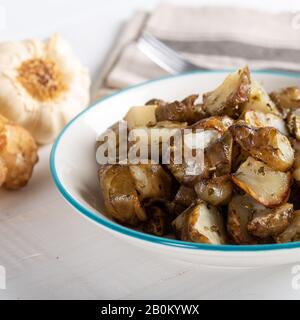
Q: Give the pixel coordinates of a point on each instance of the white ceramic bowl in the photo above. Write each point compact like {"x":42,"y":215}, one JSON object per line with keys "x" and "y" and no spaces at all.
{"x":74,"y":170}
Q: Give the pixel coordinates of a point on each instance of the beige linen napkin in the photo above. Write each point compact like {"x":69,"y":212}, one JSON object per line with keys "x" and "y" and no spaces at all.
{"x":212,"y":37}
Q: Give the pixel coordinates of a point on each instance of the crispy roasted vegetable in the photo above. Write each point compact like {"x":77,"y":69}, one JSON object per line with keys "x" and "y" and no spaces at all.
{"x":157,"y":223}
{"x":240,"y":211}
{"x":260,"y":119}
{"x":270,"y":222}
{"x":200,"y":223}
{"x":294,"y":123}
{"x":259,"y":100}
{"x":152,"y":181}
{"x":266,"y":144}
{"x":237,"y":151}
{"x":169,"y":125}
{"x":120,"y":196}
{"x":215,"y":161}
{"x":216,"y":191}
{"x":228,"y":98}
{"x":296,"y":168}
{"x":218,"y":156}
{"x":292,"y":232}
{"x":239,"y":155}
{"x":286,"y":99}
{"x":294,"y":196}
{"x":18,"y":155}
{"x":153,"y":138}
{"x":156,"y":102}
{"x":188,"y":173}
{"x":141,"y":116}
{"x":188,"y":170}
{"x":269,"y":187}
{"x":118,"y":155}
{"x":218,"y":123}
{"x":249,"y":222}
{"x":184,"y":198}
{"x":180,"y":111}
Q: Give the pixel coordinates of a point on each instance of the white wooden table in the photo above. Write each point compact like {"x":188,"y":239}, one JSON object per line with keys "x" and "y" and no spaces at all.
{"x":49,"y":251}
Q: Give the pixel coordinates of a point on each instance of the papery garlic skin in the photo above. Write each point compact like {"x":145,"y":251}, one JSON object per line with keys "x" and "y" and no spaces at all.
{"x":43,"y":117}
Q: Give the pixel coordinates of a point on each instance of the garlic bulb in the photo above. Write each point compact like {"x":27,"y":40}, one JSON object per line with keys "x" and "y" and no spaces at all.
{"x":18,"y":155}
{"x":42,"y":85}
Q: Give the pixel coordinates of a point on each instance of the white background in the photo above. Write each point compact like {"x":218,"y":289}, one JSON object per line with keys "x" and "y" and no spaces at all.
{"x":48,"y":250}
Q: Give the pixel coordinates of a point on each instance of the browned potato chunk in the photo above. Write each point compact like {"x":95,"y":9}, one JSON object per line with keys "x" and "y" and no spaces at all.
{"x":200,"y":223}
{"x":18,"y":154}
{"x":270,"y":188}
{"x":180,"y":111}
{"x":120,"y":196}
{"x":216,"y":191}
{"x":229,"y":96}
{"x":152,"y":181}
{"x":259,"y":100}
{"x":292,"y":232}
{"x":157,"y":223}
{"x":240,"y":210}
{"x":270,"y":222}
{"x":266,"y":144}
{"x":286,"y":99}
{"x":260,"y":119}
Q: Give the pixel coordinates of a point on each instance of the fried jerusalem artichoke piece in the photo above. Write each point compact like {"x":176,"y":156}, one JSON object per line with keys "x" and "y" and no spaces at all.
{"x":180,"y":111}
{"x":120,"y":196}
{"x":292,"y":232}
{"x":218,"y":123}
{"x":141,"y":116}
{"x":293,"y":121}
{"x":18,"y":155}
{"x":239,"y":155}
{"x":296,"y":167}
{"x":229,"y":97}
{"x":259,"y":100}
{"x":267,"y":186}
{"x":270,"y":222}
{"x":216,"y":191}
{"x":183,"y":199}
{"x":260,"y":119}
{"x":240,"y":210}
{"x":286,"y":100}
{"x":188,"y":169}
{"x":200,"y":223}
{"x":266,"y":144}
{"x":218,"y":156}
{"x":158,"y":222}
{"x":152,"y":181}
{"x":249,"y":222}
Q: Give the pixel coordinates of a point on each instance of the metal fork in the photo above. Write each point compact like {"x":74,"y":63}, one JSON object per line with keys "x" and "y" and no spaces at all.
{"x":164,"y":56}
{"x":173,"y":62}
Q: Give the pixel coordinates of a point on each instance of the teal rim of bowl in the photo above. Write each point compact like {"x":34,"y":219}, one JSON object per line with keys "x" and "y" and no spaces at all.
{"x":144,"y":236}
